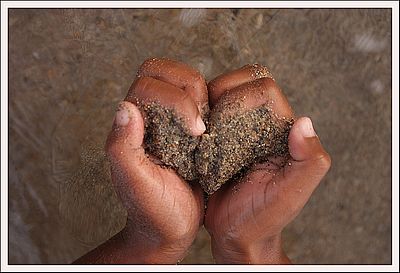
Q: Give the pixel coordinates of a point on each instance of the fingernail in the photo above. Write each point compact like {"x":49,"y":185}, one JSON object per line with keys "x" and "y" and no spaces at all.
{"x":122,"y":116}
{"x":306,"y":128}
{"x":201,"y":127}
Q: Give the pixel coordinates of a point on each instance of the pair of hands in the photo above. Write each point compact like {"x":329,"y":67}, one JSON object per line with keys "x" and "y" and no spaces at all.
{"x":245,"y":219}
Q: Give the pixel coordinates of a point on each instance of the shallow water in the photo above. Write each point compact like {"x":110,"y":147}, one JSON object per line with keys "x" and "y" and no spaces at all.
{"x":70,"y":68}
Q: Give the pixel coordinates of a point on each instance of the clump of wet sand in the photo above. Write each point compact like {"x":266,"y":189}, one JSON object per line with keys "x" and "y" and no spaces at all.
{"x":234,"y":142}
{"x":229,"y":147}
{"x":168,"y":138}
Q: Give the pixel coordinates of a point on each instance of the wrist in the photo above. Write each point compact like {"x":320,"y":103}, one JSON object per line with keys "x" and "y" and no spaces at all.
{"x":265,"y":251}
{"x":154,"y":248}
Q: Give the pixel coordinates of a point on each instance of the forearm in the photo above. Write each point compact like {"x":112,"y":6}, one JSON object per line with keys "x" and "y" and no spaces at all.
{"x":125,"y":248}
{"x":268,"y":251}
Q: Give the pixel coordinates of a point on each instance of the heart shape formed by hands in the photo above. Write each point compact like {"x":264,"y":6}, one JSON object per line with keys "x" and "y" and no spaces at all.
{"x":248,"y":123}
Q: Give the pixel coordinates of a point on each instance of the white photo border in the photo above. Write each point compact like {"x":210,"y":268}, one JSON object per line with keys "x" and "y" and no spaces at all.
{"x":393,"y":5}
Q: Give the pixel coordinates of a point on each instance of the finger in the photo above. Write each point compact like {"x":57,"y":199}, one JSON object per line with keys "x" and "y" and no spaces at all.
{"x":148,"y":90}
{"x":235,"y":78}
{"x":180,"y":75}
{"x":253,"y":94}
{"x":309,"y":163}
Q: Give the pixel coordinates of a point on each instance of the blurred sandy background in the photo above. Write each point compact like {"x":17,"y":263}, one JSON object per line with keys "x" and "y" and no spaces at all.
{"x":70,"y":68}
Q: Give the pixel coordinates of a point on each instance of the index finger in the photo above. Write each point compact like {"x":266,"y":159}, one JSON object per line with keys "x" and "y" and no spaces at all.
{"x":253,"y":94}
{"x":180,"y":75}
{"x":148,"y":90}
{"x":218,"y":86}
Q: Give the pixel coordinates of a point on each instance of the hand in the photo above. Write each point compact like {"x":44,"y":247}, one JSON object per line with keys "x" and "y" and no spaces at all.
{"x":164,"y":211}
{"x":245,"y":219}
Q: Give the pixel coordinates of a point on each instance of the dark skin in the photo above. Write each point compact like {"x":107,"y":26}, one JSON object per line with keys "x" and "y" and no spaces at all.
{"x":246,"y":227}
{"x":165,"y":212}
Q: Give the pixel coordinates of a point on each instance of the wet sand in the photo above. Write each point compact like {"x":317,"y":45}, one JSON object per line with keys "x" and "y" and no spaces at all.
{"x":236,"y":141}
{"x":231,"y":144}
{"x":168,"y":139}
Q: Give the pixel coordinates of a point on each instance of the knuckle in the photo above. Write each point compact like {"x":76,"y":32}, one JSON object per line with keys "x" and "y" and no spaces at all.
{"x":137,"y":91}
{"x":139,"y":83}
{"x":132,"y":89}
{"x":197,"y":77}
{"x":148,"y":64}
{"x":323,"y":160}
{"x":111,"y":148}
{"x":266,"y":83}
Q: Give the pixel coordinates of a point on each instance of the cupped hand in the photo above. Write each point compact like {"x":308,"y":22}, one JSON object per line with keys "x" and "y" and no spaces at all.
{"x":164,"y":211}
{"x":245,"y":218}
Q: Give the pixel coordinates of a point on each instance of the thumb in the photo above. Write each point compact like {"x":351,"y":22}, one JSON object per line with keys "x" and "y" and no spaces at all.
{"x":141,"y":184}
{"x":126,"y":137}
{"x":130,"y":167}
{"x":310,"y":162}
